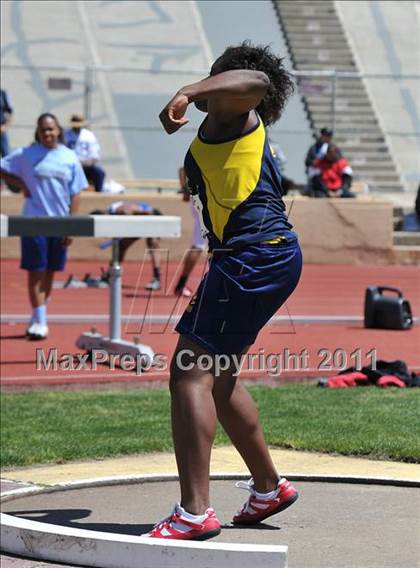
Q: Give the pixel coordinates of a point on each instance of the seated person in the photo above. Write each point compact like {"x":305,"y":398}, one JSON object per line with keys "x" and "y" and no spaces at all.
{"x":87,"y":149}
{"x":331,"y":175}
{"x":136,"y":208}
{"x":411,"y":221}
{"x":318,"y":150}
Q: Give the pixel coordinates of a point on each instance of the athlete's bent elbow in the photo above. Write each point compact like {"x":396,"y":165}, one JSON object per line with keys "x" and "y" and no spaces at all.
{"x":263,"y":78}
{"x":262,"y":82}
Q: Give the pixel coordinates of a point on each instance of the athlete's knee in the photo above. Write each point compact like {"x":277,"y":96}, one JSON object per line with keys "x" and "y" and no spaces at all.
{"x":180,"y":369}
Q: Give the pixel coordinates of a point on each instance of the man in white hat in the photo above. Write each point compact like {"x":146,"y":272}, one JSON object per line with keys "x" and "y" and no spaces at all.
{"x":84,"y":143}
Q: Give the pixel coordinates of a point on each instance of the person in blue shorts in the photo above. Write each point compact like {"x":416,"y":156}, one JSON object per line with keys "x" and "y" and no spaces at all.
{"x":51,"y":178}
{"x":255,"y":265}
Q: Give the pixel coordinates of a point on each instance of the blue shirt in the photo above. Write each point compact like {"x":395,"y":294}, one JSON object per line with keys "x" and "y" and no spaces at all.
{"x":52,"y":177}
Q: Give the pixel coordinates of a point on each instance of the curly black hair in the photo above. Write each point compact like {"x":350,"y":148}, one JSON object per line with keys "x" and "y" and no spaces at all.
{"x":261,"y":58}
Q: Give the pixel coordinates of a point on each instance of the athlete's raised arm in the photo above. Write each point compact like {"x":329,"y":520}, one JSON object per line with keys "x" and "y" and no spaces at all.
{"x":233,"y":92}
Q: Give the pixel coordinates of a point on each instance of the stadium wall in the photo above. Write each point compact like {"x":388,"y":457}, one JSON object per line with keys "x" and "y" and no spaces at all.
{"x":331,"y":231}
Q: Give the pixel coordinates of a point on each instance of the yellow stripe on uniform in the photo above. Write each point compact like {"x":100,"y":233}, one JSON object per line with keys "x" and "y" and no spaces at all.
{"x":230,"y":171}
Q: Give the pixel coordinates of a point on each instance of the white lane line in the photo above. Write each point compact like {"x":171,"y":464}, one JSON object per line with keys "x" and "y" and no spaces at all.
{"x":168,"y":319}
{"x":164,"y":375}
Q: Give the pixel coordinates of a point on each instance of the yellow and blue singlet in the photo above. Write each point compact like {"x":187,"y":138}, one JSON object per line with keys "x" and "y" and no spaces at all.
{"x":236,"y":187}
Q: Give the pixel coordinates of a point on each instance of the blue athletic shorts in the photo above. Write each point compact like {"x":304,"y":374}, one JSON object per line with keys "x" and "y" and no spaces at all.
{"x":239,"y":294}
{"x":43,"y":253}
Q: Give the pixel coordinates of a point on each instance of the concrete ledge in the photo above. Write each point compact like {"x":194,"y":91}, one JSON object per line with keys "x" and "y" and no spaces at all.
{"x":58,"y":543}
{"x":331,"y":231}
{"x":108,"y":550}
{"x":153,"y":478}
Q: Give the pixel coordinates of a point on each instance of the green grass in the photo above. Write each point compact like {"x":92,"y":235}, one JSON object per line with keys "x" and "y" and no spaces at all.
{"x":62,"y":426}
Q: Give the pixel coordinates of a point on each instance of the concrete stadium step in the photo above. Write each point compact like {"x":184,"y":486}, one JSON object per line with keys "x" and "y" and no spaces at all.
{"x":331,"y":43}
{"x":325,"y":19}
{"x":379,"y":181}
{"x":321,"y":102}
{"x":312,"y":50}
{"x":371,"y":168}
{"x":316,"y":53}
{"x":316,"y":41}
{"x":408,"y":255}
{"x":347,"y":81}
{"x":298,"y":11}
{"x":301,"y":40}
{"x":380,"y":191}
{"x":349,"y":124}
{"x":318,"y":66}
{"x":307,"y":8}
{"x":361,"y":158}
{"x":350,"y":82}
{"x":321,"y":95}
{"x":342,"y":114}
{"x":326,"y":25}
{"x":366,"y":149}
{"x":310,"y":9}
{"x":406,"y":238}
{"x":376,"y":170}
{"x":324,"y":107}
{"x":324,"y":55}
{"x":382,"y":186}
{"x":341,"y":106}
{"x":379,"y":184}
{"x":372,"y":143}
{"x":346,"y":137}
{"x":349,"y":104}
{"x":334,"y":46}
{"x":323,"y":86}
{"x":325,"y":59}
{"x":366,"y":153}
{"x":351,"y":129}
{"x":365,"y":133}
{"x":315,"y":27}
{"x":342,"y":118}
{"x":388,"y":183}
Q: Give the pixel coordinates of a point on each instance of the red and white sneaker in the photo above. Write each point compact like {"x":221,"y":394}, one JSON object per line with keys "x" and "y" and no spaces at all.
{"x":176,"y":526}
{"x":256,"y":510}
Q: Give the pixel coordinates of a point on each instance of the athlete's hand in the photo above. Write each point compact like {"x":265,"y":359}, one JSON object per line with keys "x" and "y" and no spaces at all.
{"x":173,"y":115}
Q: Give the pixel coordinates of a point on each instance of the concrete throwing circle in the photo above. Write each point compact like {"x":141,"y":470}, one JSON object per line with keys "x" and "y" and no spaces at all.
{"x":351,"y":525}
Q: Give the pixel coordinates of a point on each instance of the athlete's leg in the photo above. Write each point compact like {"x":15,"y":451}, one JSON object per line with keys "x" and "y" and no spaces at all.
{"x":190,"y":261}
{"x":154,"y":253}
{"x":48,"y":283}
{"x":238,"y":415}
{"x":37,"y":287}
{"x":125,"y":244}
{"x":38,"y":284}
{"x":194,"y":422}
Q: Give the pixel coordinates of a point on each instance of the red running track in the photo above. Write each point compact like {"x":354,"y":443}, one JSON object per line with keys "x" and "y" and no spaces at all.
{"x":296,"y":348}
